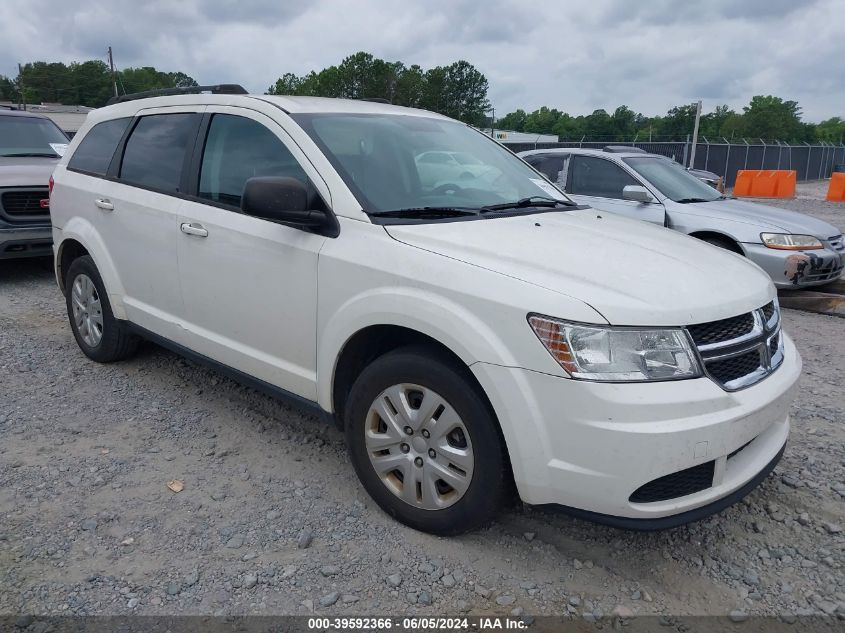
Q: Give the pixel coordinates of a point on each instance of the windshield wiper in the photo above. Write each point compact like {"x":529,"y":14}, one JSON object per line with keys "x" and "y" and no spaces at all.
{"x":425,"y":212}
{"x":686,"y":200}
{"x":30,"y":155}
{"x":523,"y":203}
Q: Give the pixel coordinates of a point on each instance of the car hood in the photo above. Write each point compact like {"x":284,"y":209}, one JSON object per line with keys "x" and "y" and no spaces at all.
{"x":761,"y":215}
{"x":631,"y":272}
{"x":26,"y":171}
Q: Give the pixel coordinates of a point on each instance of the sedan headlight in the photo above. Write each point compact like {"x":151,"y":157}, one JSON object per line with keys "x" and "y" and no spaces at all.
{"x":617,"y":354}
{"x":787,"y":242}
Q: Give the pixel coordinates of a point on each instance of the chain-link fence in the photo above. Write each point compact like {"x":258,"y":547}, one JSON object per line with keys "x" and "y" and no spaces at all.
{"x":811,"y":162}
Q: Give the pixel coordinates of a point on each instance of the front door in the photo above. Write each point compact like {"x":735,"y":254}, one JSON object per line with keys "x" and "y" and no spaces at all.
{"x":249,"y":285}
{"x":598,"y":182}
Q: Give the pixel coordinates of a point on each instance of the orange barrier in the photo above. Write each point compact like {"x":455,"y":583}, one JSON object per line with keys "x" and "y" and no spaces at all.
{"x":765,"y":183}
{"x":836,"y":189}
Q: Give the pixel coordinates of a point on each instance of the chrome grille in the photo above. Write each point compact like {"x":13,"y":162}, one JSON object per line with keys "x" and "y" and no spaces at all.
{"x":742,"y":350}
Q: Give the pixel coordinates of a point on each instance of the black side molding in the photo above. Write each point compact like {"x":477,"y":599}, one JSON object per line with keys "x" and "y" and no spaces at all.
{"x":665,"y":523}
{"x":309,"y":407}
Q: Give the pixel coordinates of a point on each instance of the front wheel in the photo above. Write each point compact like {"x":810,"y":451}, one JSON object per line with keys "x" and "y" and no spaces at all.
{"x":425,"y":444}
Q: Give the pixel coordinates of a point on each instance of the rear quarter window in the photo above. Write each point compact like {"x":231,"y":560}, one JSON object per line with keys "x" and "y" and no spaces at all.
{"x":95,"y":152}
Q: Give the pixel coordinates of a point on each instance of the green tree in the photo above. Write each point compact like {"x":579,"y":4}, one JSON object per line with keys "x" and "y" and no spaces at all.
{"x":514,"y":121}
{"x":832,"y":129}
{"x":8,"y":89}
{"x":770,"y":117}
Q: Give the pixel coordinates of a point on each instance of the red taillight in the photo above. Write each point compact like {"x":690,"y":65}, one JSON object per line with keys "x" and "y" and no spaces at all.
{"x":51,"y":191}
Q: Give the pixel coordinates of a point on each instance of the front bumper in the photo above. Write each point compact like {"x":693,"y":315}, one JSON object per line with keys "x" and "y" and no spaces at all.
{"x":590,"y":446}
{"x":797,"y":269}
{"x":25,"y":241}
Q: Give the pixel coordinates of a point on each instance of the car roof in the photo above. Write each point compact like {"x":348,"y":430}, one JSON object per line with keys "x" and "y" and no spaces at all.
{"x":21,"y":113}
{"x":588,"y":152}
{"x":291,"y":105}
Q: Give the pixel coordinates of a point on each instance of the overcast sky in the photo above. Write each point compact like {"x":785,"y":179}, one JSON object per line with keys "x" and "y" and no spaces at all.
{"x":574,"y":55}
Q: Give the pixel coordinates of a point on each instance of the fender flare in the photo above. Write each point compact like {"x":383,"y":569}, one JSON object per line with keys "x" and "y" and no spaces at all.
{"x":85,"y":233}
{"x":455,"y":327}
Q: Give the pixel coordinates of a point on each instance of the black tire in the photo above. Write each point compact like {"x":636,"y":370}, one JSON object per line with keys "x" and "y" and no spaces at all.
{"x":490,"y":480}
{"x":116,"y":342}
{"x":723,"y":242}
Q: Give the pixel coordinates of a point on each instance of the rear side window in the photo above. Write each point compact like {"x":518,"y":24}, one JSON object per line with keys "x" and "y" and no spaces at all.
{"x":97,"y":148}
{"x":238,"y":149}
{"x":598,"y":177}
{"x":155,"y":151}
{"x":552,"y":166}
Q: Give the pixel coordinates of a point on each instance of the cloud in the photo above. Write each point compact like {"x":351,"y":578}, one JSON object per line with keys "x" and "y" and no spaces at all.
{"x":577,"y":56}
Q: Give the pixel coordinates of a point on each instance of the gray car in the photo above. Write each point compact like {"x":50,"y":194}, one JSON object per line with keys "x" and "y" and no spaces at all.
{"x":796,"y":250}
{"x":30,"y":146}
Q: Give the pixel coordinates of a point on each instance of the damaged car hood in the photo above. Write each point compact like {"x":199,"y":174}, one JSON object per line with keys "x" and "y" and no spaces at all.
{"x":767,"y":218}
{"x":631,"y":272}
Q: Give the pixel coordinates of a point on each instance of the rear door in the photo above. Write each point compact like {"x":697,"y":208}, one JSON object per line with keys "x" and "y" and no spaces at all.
{"x":144,"y":213}
{"x":136,"y":213}
{"x":599,"y":182}
{"x":249,"y":284}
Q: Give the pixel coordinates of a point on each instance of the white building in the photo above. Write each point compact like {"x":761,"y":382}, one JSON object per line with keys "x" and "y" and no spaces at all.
{"x":509,"y":136}
{"x":68,"y":117}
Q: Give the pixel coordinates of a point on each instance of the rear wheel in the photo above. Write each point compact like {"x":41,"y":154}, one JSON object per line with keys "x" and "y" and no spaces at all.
{"x":425,"y":444}
{"x":99,"y":335}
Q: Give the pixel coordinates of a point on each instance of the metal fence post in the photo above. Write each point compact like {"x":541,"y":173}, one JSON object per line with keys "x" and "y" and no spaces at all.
{"x":763,"y":160}
{"x":581,"y":142}
{"x":707,"y":153}
{"x":780,"y":149}
{"x":727,"y":161}
{"x":821,"y":161}
{"x":809,"y":153}
{"x":686,"y":150}
{"x":747,"y":147}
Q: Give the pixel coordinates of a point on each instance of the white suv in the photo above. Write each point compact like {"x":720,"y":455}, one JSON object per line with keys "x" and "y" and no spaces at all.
{"x":469,"y":335}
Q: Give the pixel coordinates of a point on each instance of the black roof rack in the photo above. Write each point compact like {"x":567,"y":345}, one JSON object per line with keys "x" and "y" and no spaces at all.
{"x":219,"y":89}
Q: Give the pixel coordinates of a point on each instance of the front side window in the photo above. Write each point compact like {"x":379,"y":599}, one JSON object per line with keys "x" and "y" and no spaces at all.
{"x":155,"y":151}
{"x":237,"y":149}
{"x":672,"y":180}
{"x":29,"y":136}
{"x":397,"y":162}
{"x":598,"y":177}
{"x":93,"y":155}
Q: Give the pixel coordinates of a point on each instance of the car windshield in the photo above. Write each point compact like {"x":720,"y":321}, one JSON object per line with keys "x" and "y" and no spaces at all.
{"x":395,"y":162}
{"x":672,"y":180}
{"x":27,"y":136}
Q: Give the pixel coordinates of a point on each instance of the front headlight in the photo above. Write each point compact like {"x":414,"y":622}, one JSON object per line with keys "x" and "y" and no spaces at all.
{"x":617,"y":354}
{"x":786,"y":242}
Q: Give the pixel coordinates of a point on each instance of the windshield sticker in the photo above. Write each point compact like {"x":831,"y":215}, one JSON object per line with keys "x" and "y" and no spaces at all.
{"x":550,"y":189}
{"x":59,"y":148}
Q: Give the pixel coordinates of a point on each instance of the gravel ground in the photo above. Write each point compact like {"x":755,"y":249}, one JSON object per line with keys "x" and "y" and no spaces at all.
{"x":271,"y":519}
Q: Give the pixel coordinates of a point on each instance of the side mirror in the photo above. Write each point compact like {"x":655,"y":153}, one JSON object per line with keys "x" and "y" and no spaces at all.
{"x":637,"y":193}
{"x":282,"y":200}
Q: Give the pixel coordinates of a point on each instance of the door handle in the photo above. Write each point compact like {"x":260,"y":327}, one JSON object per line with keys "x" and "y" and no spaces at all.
{"x":194,"y":229}
{"x":104,"y":204}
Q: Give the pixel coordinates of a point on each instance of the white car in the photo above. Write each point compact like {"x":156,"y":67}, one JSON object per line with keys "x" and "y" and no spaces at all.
{"x":795,"y":249}
{"x":466,"y":339}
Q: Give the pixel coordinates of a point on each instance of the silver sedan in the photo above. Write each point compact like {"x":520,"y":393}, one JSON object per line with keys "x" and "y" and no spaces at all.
{"x":796,"y":250}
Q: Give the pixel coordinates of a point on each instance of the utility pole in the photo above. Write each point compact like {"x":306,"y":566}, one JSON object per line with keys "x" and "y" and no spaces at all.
{"x":695,"y":135}
{"x":113,"y":77}
{"x":21,"y":86}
